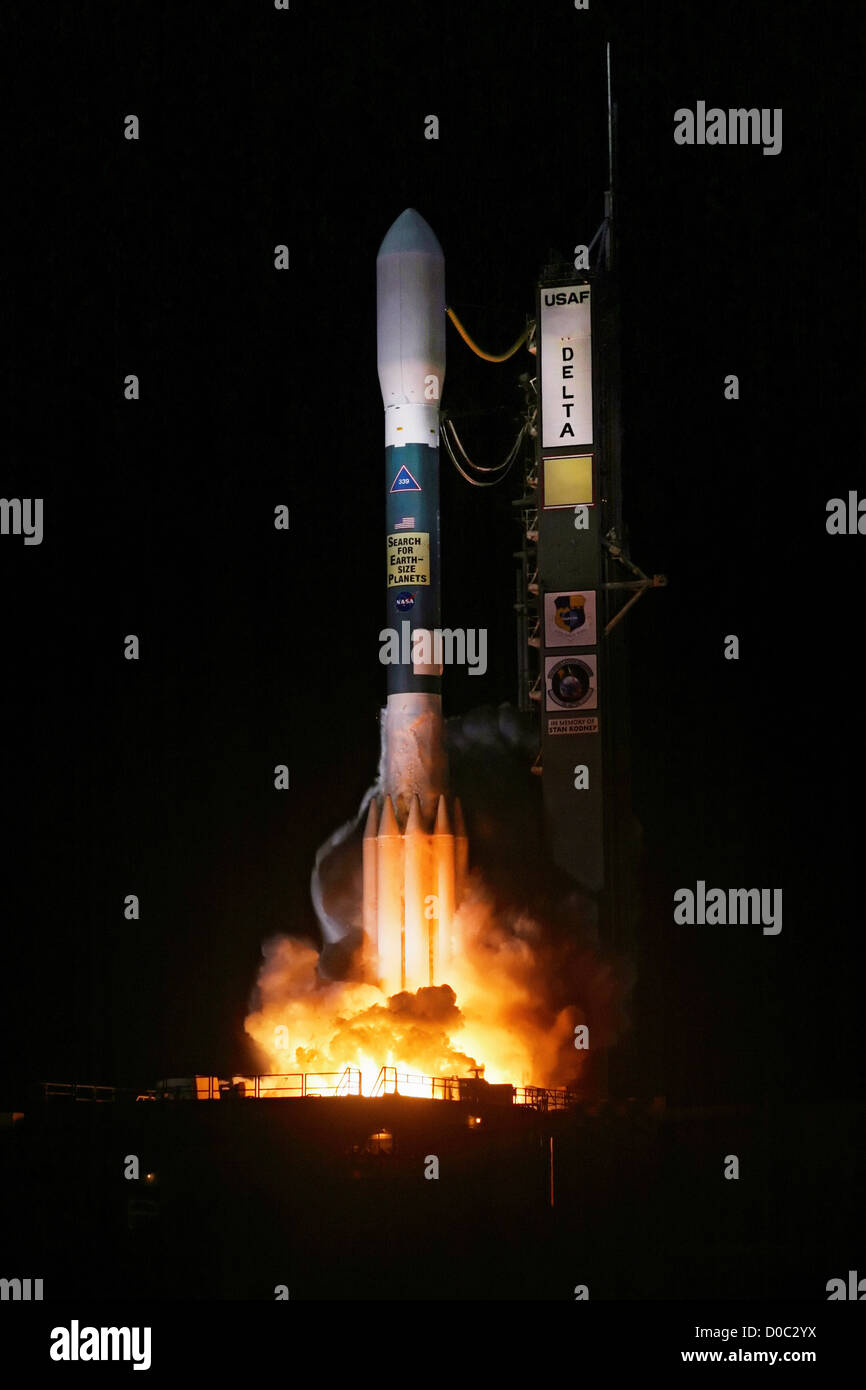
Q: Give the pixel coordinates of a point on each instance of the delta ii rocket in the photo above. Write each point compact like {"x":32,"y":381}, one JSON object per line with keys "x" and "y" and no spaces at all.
{"x":415,"y":850}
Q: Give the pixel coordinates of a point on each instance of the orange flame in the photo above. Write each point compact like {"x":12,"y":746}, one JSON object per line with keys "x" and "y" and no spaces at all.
{"x":497,"y":1011}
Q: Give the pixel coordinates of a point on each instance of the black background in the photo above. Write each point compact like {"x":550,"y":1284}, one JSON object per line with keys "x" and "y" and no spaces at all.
{"x":258,"y":388}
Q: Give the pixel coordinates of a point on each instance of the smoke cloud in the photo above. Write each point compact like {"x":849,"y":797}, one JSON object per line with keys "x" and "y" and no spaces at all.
{"x":532,"y":968}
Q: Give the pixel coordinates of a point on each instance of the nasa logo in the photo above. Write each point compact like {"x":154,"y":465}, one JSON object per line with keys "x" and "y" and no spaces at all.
{"x":405,"y":601}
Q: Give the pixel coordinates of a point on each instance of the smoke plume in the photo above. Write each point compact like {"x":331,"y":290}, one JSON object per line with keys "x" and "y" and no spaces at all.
{"x":532,"y":968}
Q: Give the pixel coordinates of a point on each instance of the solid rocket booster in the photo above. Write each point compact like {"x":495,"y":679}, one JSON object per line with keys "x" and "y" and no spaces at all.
{"x":389,"y":877}
{"x":414,"y":859}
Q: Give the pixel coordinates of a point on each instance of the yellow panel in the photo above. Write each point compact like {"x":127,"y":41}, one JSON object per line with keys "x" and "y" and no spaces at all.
{"x":408,"y":558}
{"x":568,"y":481}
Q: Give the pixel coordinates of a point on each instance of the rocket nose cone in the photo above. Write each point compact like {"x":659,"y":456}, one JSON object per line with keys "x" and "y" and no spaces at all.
{"x":409,"y":233}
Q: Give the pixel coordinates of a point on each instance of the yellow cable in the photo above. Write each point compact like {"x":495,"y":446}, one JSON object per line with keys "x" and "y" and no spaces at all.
{"x":488,"y":357}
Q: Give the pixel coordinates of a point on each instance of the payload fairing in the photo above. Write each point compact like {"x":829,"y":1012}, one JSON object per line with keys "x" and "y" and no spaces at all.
{"x":415,"y":852}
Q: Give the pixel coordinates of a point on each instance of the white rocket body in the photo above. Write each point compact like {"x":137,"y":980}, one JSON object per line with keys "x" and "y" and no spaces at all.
{"x":412,"y":895}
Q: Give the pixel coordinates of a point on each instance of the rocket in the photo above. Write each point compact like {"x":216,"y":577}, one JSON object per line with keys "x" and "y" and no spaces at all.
{"x":415,"y":851}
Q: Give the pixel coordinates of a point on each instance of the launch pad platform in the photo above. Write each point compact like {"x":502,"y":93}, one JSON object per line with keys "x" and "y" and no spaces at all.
{"x":307,"y":1085}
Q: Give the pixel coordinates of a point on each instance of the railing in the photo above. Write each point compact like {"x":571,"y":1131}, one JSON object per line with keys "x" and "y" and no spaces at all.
{"x":391,"y":1082}
{"x":292,"y":1085}
{"x":77,"y":1090}
{"x":350,"y":1082}
{"x":544,"y":1098}
{"x":295,"y":1085}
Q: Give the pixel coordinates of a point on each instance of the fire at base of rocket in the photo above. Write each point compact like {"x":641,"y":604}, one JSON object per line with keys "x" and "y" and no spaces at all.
{"x":414,"y":879}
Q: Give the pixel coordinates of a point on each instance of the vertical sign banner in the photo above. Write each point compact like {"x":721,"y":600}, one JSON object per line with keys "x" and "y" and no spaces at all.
{"x":566,"y":367}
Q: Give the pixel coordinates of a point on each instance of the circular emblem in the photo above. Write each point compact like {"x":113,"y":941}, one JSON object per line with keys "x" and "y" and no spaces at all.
{"x":405,"y":601}
{"x":570,"y":683}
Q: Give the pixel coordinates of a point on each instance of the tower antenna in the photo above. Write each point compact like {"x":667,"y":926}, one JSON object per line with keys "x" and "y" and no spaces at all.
{"x":608,"y":197}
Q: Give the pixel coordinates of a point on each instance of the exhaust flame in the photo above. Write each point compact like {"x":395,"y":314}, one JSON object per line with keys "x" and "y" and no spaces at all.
{"x":528,"y":971}
{"x":511,"y":1006}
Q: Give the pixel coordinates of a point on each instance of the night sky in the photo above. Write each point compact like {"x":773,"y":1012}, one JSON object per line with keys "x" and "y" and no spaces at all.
{"x":259,"y":387}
